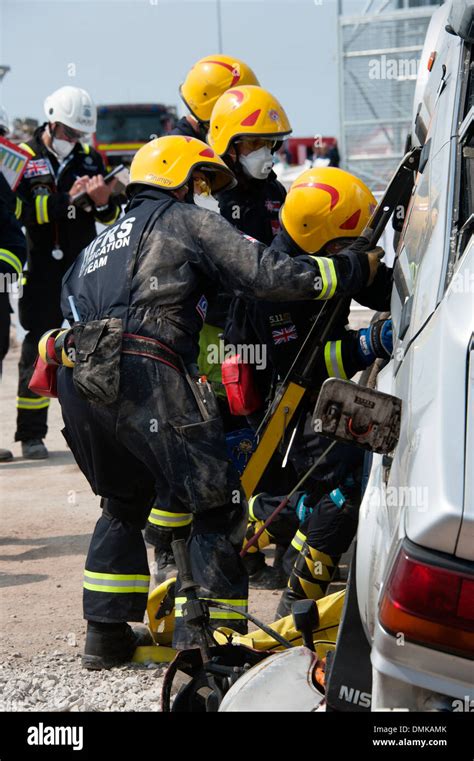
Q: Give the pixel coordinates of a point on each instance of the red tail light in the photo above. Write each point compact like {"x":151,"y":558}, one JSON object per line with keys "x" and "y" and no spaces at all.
{"x":430,"y":605}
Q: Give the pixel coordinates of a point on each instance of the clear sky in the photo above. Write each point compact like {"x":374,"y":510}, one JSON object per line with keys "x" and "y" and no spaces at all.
{"x":140,"y":50}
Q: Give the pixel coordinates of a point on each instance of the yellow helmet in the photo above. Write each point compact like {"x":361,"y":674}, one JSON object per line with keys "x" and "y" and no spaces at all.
{"x":209,"y":79}
{"x":243,"y":111}
{"x":168,"y":162}
{"x":325,"y":203}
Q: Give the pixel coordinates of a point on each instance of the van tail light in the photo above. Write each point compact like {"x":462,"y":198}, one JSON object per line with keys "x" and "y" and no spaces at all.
{"x":430,"y":605}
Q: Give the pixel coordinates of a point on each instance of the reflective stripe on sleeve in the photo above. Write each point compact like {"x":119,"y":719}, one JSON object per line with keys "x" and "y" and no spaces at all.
{"x":328,"y":275}
{"x":18,"y":208}
{"x":41,"y":207}
{"x":12,"y":259}
{"x":27,"y":148}
{"x":333,"y":360}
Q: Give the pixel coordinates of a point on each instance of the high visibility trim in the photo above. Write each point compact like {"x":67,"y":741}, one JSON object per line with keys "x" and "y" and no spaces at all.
{"x":18,"y":208}
{"x":39,"y":403}
{"x":86,"y":148}
{"x":115,"y":589}
{"x":333,"y":360}
{"x":118,"y":146}
{"x":12,"y":259}
{"x":328,"y":276}
{"x":251,"y":503}
{"x":27,"y":148}
{"x":298,"y":540}
{"x":312,"y":590}
{"x":41,"y":207}
{"x":321,"y":557}
{"x":112,"y":220}
{"x":119,"y":583}
{"x":319,"y":572}
{"x":215,"y":613}
{"x":118,"y":576}
{"x":169,"y":520}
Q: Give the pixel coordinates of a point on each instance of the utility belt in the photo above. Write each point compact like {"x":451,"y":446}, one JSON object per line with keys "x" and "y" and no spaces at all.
{"x":93,"y":350}
{"x":201,"y":389}
{"x":142,"y":346}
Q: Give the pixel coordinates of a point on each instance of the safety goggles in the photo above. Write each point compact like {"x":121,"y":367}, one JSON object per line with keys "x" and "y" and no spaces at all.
{"x":71,"y":134}
{"x":254,"y":143}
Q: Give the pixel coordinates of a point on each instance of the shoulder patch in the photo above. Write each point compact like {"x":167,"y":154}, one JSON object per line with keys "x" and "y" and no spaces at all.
{"x":37,"y":168}
{"x":201,"y":307}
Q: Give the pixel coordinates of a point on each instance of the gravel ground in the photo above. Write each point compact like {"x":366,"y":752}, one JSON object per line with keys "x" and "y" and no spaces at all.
{"x":57,"y":682}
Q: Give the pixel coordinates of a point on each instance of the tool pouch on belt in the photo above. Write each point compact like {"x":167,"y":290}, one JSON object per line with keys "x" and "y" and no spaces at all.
{"x":242,"y":394}
{"x":43,"y":380}
{"x":96,"y":372}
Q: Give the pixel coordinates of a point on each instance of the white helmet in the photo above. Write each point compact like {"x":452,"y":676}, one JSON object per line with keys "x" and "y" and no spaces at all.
{"x":4,"y":120}
{"x":73,"y":107}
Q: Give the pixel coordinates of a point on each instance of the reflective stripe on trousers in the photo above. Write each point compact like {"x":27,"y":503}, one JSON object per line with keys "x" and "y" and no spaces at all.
{"x":298,"y":540}
{"x":116,"y":582}
{"x":167,"y":519}
{"x":32,"y":403}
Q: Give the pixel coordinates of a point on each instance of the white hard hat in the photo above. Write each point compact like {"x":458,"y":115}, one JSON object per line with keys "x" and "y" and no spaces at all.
{"x":73,"y":107}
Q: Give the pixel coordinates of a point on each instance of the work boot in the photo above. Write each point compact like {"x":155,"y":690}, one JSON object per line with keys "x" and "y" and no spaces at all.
{"x":268,"y":578}
{"x":34,"y":449}
{"x":109,"y":645}
{"x":164,"y":566}
{"x":280,"y":550}
{"x":6,"y":455}
{"x":261,"y":575}
{"x":254,"y":562}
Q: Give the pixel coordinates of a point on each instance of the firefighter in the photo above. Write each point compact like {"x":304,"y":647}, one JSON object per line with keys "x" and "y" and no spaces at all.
{"x":246,"y":123}
{"x":329,"y":514}
{"x":12,"y":260}
{"x":136,"y":418}
{"x":208,"y":79}
{"x":325,"y":208}
{"x":60,"y":167}
{"x":246,"y":128}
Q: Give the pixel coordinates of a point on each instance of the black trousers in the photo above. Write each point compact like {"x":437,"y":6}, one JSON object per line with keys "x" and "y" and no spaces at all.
{"x":39,"y":311}
{"x":153,"y":440}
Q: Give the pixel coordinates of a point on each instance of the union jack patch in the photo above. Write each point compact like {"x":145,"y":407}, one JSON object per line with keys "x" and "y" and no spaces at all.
{"x":272,"y":205}
{"x":285,"y":335}
{"x":201,"y":307}
{"x":37,"y":168}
